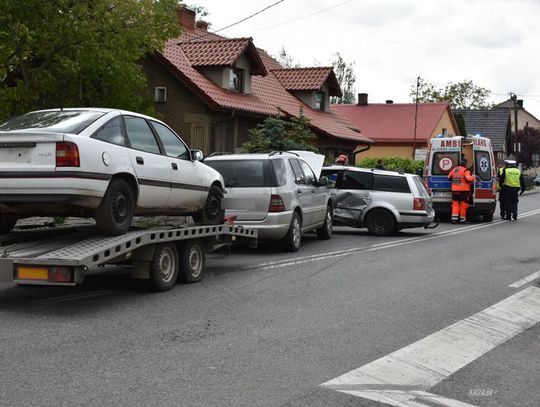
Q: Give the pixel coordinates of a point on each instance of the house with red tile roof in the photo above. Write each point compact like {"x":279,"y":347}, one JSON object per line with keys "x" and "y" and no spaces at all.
{"x":398,"y":128}
{"x":212,"y":90}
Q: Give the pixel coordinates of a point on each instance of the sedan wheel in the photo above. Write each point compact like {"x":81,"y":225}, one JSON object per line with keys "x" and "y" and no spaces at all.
{"x":115,"y":213}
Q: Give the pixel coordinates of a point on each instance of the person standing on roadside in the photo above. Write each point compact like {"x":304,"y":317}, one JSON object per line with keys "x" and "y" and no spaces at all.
{"x":461,"y":187}
{"x":512,"y":179}
{"x":503,"y":191}
{"x":380,"y":165}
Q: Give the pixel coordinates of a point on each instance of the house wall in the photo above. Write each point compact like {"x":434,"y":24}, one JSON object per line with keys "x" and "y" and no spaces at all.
{"x":308,"y":97}
{"x":199,"y":126}
{"x":401,"y":150}
{"x":243,"y":63}
{"x":445,"y":123}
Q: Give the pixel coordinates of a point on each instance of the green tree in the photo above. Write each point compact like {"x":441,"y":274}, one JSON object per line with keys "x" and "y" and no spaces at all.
{"x":276,"y":134}
{"x":346,"y":79}
{"x":286,"y":60}
{"x":79,"y":52}
{"x":460,"y":95}
{"x":394,"y":164}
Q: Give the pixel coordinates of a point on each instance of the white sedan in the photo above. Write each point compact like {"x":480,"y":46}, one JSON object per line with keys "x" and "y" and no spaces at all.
{"x":102,"y":163}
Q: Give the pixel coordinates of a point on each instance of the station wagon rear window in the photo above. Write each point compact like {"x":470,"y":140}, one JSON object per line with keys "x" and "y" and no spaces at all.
{"x":61,"y":121}
{"x":390,"y":183}
{"x":243,"y":173}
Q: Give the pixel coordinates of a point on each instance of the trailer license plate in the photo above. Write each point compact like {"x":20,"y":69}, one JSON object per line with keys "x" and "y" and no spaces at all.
{"x":32,"y":273}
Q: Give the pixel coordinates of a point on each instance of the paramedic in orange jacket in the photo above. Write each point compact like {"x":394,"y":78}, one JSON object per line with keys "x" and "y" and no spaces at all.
{"x":461,"y":187}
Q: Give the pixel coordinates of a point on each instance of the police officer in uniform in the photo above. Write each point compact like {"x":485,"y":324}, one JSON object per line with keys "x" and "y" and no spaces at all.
{"x":503,"y":191}
{"x":461,"y":187}
{"x":512,"y":179}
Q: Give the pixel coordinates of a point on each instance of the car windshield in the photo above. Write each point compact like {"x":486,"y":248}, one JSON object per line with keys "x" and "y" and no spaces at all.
{"x":60,"y":121}
{"x":243,"y":173}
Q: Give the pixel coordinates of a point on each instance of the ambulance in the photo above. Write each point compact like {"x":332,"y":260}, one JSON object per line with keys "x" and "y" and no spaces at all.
{"x":444,"y":153}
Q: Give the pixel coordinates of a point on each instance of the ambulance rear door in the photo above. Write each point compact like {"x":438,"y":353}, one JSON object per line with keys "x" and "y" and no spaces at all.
{"x":485,"y":176}
{"x":444,"y":155}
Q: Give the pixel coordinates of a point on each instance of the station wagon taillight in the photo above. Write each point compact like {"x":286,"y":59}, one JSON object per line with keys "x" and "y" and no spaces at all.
{"x":67,"y":155}
{"x":419,"y":204}
{"x":276,"y":204}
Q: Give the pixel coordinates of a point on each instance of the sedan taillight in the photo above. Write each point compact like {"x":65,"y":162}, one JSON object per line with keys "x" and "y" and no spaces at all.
{"x":419,"y":204}
{"x":276,"y":204}
{"x":67,"y":155}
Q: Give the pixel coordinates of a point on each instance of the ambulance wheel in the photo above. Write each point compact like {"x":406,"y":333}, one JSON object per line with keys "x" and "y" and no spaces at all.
{"x":192,"y":259}
{"x":380,"y":222}
{"x":488,"y":217}
{"x":164,"y":267}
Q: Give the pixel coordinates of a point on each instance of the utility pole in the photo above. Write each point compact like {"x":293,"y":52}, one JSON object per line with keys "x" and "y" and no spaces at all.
{"x":415,"y":119}
{"x":514,"y":139}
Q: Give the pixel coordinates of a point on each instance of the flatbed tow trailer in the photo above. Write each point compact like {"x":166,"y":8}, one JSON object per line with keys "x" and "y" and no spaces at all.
{"x":63,"y":255}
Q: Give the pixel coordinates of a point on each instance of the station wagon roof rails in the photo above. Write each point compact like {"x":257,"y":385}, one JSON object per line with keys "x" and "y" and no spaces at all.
{"x":281,"y":152}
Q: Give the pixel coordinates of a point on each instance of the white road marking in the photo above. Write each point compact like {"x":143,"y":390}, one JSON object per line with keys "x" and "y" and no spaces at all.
{"x":526,"y":280}
{"x":74,"y":297}
{"x":378,"y":246}
{"x":403,"y":377}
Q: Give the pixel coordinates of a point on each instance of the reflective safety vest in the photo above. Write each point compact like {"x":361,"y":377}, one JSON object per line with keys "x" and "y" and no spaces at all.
{"x":461,"y":179}
{"x":511,"y":178}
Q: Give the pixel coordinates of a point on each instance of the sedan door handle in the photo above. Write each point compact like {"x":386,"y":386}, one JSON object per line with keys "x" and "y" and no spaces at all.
{"x":140,"y":160}
{"x":174,"y":166}
{"x":299,"y":191}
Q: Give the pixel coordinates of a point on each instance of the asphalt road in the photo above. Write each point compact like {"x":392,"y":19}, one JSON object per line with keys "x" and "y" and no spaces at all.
{"x":266,"y":328}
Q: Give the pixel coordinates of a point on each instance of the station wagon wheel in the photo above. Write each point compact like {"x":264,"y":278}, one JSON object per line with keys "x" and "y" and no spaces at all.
{"x":380,"y":222}
{"x":164,"y":267}
{"x":211,"y":214}
{"x":7,"y":223}
{"x":293,"y":239}
{"x":192,"y":260}
{"x":115,"y":213}
{"x":325,"y":231}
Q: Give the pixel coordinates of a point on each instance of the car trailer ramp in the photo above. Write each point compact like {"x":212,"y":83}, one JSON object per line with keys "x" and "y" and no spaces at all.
{"x":63,"y":255}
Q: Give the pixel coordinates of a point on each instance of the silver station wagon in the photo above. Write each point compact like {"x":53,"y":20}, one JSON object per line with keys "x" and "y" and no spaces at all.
{"x":382,"y":201}
{"x":280,"y":193}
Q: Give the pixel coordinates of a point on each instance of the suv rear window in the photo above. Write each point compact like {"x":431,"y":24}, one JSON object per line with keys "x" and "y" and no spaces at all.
{"x":280,"y":172}
{"x":390,"y":183}
{"x":243,"y":173}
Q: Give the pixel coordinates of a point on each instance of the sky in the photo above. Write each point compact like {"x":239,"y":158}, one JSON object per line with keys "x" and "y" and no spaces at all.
{"x":494,"y":43}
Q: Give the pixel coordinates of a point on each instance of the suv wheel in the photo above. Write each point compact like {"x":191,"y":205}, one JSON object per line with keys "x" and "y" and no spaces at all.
{"x":325,"y":231}
{"x":380,"y":222}
{"x":293,"y":239}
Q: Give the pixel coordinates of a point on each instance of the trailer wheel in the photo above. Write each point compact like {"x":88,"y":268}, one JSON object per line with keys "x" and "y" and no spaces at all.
{"x":164,"y":267}
{"x":6,"y":224}
{"x":192,"y":260}
{"x":115,"y":213}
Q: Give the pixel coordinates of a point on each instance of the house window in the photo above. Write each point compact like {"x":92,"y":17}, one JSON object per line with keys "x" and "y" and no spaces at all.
{"x":160,"y":94}
{"x":319,"y":101}
{"x":236,"y":79}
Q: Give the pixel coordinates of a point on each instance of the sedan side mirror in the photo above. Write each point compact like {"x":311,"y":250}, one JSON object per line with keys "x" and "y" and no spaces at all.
{"x":196,"y":155}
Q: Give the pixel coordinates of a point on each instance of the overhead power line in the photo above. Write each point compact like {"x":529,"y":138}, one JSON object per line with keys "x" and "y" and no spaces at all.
{"x":250,"y":16}
{"x":303,"y":17}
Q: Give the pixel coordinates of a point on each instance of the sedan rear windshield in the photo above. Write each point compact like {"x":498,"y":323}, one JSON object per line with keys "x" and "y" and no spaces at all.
{"x":63,"y":121}
{"x":244,"y":173}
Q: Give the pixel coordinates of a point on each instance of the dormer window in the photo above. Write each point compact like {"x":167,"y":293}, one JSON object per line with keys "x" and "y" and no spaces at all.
{"x":319,"y":101}
{"x":236,"y":80}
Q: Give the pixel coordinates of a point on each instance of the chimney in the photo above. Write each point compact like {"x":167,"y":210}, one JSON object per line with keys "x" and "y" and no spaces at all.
{"x":203,"y":25}
{"x":389,"y":102}
{"x":362,"y":99}
{"x":186,"y":19}
{"x":520,"y":103}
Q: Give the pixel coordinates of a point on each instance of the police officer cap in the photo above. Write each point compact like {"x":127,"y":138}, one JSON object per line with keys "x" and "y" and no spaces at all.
{"x":510,"y":162}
